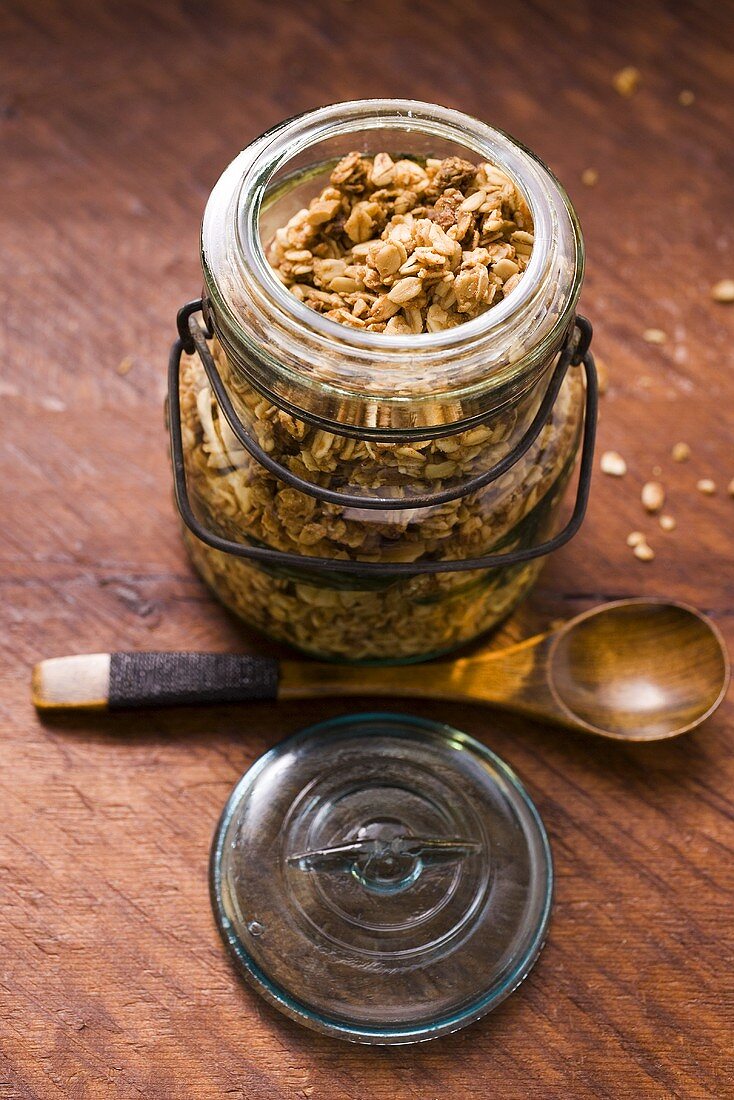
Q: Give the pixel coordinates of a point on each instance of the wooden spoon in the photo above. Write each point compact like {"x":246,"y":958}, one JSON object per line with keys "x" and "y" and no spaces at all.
{"x":634,"y":670}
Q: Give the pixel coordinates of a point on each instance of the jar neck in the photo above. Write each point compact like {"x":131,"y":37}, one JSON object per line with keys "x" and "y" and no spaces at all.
{"x":345,"y":378}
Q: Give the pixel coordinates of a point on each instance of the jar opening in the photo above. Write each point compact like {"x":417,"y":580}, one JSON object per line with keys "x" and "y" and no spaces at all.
{"x":336,"y":374}
{"x":292,"y":173}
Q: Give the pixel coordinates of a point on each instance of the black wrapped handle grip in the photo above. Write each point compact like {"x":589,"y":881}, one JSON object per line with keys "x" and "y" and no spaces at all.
{"x":173,"y":679}
{"x":120,"y":680}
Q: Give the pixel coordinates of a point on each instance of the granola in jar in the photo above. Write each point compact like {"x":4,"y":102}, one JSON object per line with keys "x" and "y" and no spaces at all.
{"x":392,"y":250}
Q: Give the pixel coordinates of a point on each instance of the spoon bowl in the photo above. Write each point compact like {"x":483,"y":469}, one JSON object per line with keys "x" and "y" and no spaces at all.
{"x":638,"y":669}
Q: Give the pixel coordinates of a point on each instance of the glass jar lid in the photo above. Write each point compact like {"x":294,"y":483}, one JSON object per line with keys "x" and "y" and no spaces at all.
{"x":382,"y":878}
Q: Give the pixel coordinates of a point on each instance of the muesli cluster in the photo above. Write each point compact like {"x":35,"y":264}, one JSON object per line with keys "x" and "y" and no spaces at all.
{"x":403,"y":247}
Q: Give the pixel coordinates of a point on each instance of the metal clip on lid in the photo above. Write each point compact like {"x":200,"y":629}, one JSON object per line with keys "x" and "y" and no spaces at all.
{"x":385,"y":858}
{"x":192,"y":336}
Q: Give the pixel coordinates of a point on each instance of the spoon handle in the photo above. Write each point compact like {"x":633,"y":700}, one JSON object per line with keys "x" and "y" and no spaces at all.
{"x":512,"y":678}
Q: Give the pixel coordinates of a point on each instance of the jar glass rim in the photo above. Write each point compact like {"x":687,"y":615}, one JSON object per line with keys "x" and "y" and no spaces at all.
{"x":337,"y":374}
{"x":308,"y":130}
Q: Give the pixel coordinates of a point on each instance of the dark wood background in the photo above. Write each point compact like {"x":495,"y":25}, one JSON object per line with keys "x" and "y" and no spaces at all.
{"x":115,"y":121}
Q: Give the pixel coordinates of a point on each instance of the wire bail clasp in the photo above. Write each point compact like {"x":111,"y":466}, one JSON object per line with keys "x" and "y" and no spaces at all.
{"x":194,"y":337}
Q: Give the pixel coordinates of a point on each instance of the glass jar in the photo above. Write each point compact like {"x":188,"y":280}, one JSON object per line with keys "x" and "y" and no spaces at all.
{"x":367,"y":496}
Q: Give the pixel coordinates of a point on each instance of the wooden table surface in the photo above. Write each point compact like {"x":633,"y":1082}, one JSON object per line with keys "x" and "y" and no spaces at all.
{"x":116,"y":119}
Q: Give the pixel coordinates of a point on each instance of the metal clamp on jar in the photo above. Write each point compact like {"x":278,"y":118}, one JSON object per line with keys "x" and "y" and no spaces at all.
{"x":366,"y":496}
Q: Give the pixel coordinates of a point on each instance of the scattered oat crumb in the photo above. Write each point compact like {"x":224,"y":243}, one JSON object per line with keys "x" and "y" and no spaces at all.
{"x":723,"y":291}
{"x":707,"y":486}
{"x":52,"y":404}
{"x":71,"y":1019}
{"x":626,"y":81}
{"x":634,"y":538}
{"x":681,"y":452}
{"x":612,"y":463}
{"x":654,"y":336}
{"x":668,"y":523}
{"x":686,"y":97}
{"x":653,"y":496}
{"x":644,"y":552}
{"x":126,"y":365}
{"x":657,"y":471}
{"x":602,"y":374}
{"x":589,"y":177}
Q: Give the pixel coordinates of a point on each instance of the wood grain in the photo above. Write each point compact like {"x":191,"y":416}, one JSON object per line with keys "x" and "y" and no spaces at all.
{"x":115,"y":120}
